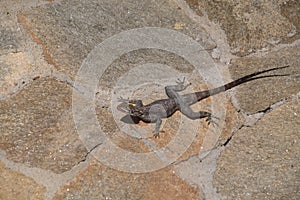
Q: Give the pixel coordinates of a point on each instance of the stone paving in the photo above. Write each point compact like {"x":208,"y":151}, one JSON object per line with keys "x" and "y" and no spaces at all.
{"x":44,"y":44}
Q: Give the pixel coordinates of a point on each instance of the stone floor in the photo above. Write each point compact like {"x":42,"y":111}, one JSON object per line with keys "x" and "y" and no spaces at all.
{"x":50,"y":50}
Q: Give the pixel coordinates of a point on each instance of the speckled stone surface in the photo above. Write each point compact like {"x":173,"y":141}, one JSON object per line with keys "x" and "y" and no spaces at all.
{"x":37,"y":127}
{"x":266,"y":92}
{"x":100,"y":182}
{"x":52,"y":26}
{"x":15,"y":185}
{"x":253,"y":25}
{"x":262,"y":162}
{"x":261,"y":94}
{"x":43,"y":44}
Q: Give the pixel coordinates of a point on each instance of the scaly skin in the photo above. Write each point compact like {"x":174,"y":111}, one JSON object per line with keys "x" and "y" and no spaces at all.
{"x":164,"y":108}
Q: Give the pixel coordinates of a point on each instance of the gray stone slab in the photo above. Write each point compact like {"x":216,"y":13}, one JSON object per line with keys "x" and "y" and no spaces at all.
{"x":258,"y":95}
{"x":291,"y":10}
{"x":20,"y":58}
{"x":37,"y":129}
{"x":262,"y":162}
{"x":253,"y":25}
{"x":69,"y":30}
{"x":10,"y":36}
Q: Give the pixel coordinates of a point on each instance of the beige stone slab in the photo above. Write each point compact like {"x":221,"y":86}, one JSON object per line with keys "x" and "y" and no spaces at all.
{"x":37,"y":127}
{"x":17,"y":186}
{"x":100,"y":182}
{"x":262,"y":162}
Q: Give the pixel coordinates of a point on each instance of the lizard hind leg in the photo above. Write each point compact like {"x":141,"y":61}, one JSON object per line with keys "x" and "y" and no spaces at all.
{"x":182,"y":102}
{"x":187,"y":111}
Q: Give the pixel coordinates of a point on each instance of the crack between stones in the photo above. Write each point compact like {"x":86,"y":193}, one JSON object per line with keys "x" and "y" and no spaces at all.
{"x":262,"y":113}
{"x":87,"y":155}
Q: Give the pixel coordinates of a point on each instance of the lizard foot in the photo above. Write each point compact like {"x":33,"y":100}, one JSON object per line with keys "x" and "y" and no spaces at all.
{"x":121,"y":99}
{"x":181,"y":83}
{"x":156,"y":135}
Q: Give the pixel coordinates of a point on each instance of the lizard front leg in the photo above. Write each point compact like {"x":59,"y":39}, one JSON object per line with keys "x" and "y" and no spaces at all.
{"x":172,"y":90}
{"x":157,"y":127}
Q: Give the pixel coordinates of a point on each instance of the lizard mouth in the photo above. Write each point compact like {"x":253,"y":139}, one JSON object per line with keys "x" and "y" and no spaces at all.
{"x":123,"y":107}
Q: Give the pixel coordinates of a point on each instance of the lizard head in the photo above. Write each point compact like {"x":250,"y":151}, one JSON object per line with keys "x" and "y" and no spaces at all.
{"x":131,"y":107}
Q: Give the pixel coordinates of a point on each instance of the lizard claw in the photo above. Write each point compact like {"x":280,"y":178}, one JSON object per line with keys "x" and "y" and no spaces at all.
{"x":156,"y":135}
{"x":121,"y":99}
{"x":181,"y":83}
{"x":210,"y":120}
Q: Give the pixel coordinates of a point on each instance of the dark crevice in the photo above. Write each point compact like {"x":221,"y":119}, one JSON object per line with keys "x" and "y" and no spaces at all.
{"x":227,"y":141}
{"x":267,"y":109}
{"x":233,"y":134}
{"x":270,"y":107}
{"x":88,"y":153}
{"x":35,"y":78}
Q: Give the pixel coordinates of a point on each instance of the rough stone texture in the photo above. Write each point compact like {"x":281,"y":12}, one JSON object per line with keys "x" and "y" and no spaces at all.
{"x":251,"y":25}
{"x":42,"y":45}
{"x":233,"y":122}
{"x":100,"y":182}
{"x":11,"y":36}
{"x":262,"y":162}
{"x":37,"y":127}
{"x":53,"y":26}
{"x":265,"y":92}
{"x":149,"y":93}
{"x":17,"y":186}
{"x":20,"y":58}
{"x":13,"y":66}
{"x":200,"y":172}
{"x":291,"y":10}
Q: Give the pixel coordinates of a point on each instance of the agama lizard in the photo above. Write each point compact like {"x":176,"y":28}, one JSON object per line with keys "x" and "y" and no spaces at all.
{"x":164,"y":108}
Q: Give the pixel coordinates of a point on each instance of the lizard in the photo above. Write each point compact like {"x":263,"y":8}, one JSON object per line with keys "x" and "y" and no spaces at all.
{"x":164,"y":108}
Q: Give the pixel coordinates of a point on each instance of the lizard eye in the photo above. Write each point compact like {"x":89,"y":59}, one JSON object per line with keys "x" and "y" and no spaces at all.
{"x":132,"y":104}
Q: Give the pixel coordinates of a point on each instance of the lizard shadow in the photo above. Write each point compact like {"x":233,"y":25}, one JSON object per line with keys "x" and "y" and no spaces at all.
{"x":128,"y":119}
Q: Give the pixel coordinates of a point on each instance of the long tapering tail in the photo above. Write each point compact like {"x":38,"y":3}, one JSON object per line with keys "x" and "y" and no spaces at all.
{"x":207,"y":93}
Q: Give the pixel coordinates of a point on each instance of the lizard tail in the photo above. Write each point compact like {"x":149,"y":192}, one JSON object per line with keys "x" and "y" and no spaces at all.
{"x":207,"y":93}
